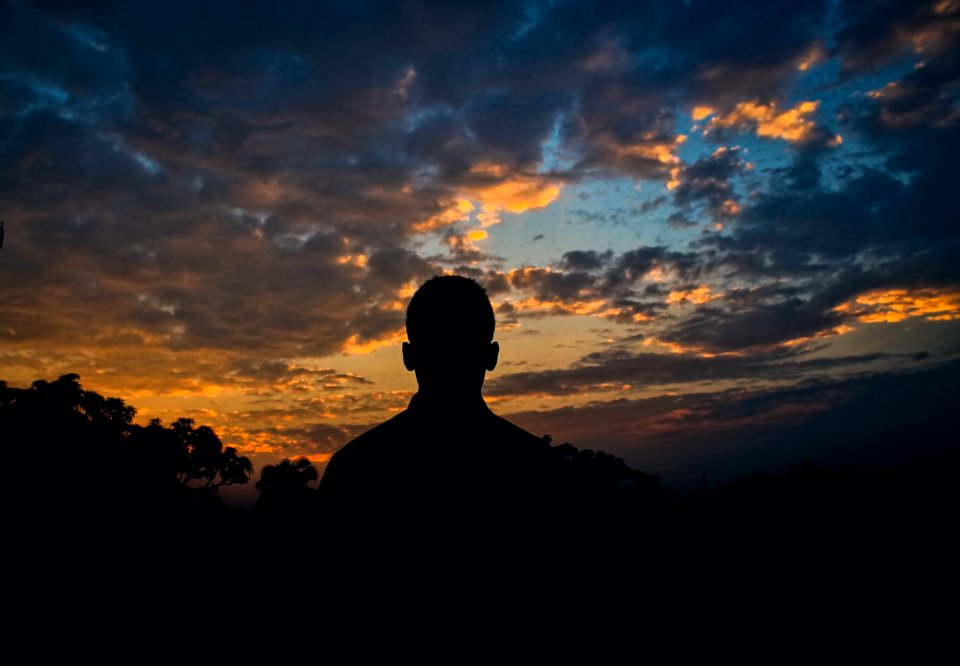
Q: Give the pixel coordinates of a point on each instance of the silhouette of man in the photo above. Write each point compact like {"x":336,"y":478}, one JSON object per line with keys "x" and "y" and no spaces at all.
{"x":447,"y":459}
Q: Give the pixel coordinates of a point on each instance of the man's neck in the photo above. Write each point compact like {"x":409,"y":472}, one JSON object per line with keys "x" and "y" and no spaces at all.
{"x":448,"y":403}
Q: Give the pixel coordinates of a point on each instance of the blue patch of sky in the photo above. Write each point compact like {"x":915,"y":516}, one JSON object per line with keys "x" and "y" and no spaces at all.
{"x":596,"y":215}
{"x":823,"y":83}
{"x":553,"y":157}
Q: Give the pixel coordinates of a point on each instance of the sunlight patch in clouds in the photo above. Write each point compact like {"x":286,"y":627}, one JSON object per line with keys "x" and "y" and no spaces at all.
{"x":516,"y":193}
{"x":893,"y":305}
{"x":768,"y":120}
{"x":354,"y":345}
{"x":699,"y":295}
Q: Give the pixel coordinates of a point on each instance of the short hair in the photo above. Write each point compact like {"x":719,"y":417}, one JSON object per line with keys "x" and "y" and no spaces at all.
{"x":450,"y":304}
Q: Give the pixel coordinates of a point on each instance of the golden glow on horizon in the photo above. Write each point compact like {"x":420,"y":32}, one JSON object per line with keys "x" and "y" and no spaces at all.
{"x":477,"y":234}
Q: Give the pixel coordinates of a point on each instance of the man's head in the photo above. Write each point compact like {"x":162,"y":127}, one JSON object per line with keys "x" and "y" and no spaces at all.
{"x":450,"y":327}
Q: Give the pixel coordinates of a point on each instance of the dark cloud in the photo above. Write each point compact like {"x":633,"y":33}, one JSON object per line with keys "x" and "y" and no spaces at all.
{"x":271,"y":372}
{"x":585,"y":260}
{"x":874,"y":33}
{"x":708,"y":180}
{"x":869,"y":419}
{"x":549,"y":285}
{"x":634,"y":264}
{"x":760,"y":325}
{"x":316,"y":438}
{"x":610,"y":371}
{"x":513,"y":127}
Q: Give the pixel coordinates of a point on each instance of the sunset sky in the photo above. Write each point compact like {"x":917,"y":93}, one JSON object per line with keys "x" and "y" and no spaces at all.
{"x":712,"y":231}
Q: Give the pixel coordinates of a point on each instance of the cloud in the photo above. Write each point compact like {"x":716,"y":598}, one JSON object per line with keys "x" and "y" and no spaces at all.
{"x":893,"y":305}
{"x":497,"y":193}
{"x":585,"y":260}
{"x":873,"y":36}
{"x":620,"y":370}
{"x":733,"y":432}
{"x":709,"y":180}
{"x":714,"y":329}
{"x":767,"y":120}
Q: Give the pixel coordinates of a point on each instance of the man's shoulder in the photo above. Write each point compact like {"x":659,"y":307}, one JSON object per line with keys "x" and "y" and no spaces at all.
{"x":516,"y":439}
{"x":512,"y":431}
{"x":365,"y":454}
{"x":376,"y":438}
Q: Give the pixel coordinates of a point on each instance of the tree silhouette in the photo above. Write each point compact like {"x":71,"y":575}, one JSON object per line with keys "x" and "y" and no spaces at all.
{"x":97,"y":463}
{"x":284,"y":487}
{"x":206,"y":459}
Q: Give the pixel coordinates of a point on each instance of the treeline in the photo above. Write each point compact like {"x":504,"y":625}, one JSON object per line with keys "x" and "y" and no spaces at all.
{"x":77,"y":458}
{"x":74,"y":455}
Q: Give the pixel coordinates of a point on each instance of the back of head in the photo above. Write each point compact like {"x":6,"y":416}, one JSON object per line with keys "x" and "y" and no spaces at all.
{"x":450,"y":326}
{"x":450,"y":308}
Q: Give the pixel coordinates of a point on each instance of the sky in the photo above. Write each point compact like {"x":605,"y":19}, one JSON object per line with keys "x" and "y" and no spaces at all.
{"x":717,"y":235}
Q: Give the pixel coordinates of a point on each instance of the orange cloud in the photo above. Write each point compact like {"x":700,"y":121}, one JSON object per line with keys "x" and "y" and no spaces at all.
{"x":358,"y":260}
{"x":701,"y":112}
{"x":454,"y":211}
{"x":677,"y":348}
{"x":893,"y":305}
{"x":657,"y":274}
{"x":497,"y":191}
{"x":354,"y":345}
{"x":517,"y":193}
{"x":595,"y":307}
{"x":837,"y":330}
{"x":662,"y":151}
{"x":701,"y":294}
{"x":767,"y":120}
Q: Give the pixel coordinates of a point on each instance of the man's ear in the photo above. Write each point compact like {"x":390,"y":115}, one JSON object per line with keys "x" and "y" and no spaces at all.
{"x":409,"y":362}
{"x":493,"y":353}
